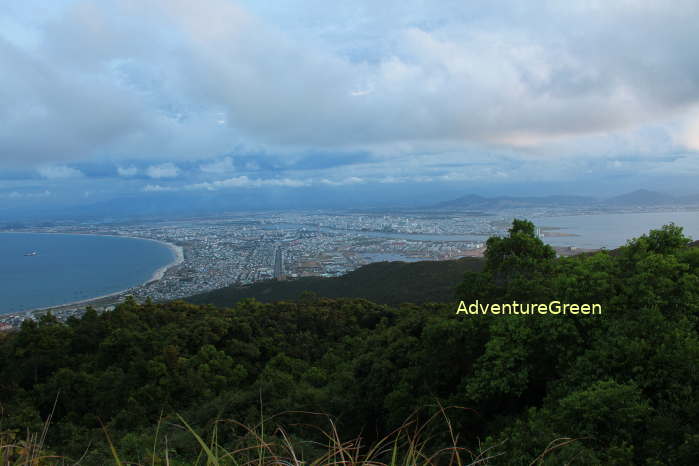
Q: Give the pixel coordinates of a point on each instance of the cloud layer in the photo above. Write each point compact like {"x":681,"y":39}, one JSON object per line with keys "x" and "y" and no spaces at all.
{"x":226,"y":94}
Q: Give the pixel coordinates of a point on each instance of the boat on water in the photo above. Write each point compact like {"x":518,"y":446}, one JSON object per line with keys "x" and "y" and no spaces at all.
{"x":33,"y":253}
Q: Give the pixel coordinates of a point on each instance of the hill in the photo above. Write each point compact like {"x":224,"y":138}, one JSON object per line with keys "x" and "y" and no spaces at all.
{"x":642,"y":197}
{"x":380,"y":282}
{"x":638,"y":198}
{"x":476,"y":202}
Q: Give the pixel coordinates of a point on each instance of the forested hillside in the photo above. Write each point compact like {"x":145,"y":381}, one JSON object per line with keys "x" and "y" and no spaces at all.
{"x":617,"y":388}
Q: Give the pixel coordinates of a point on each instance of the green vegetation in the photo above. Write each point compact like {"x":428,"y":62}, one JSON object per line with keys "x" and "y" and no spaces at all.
{"x":617,"y":388}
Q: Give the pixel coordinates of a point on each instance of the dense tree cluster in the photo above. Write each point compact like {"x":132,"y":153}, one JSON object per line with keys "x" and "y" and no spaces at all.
{"x":623,"y":386}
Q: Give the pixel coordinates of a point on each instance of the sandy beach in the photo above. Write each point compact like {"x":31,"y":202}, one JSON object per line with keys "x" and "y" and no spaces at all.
{"x":179,"y":258}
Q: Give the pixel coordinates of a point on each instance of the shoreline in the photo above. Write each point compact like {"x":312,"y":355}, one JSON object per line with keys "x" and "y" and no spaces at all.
{"x":178,"y":251}
{"x":158,"y":275}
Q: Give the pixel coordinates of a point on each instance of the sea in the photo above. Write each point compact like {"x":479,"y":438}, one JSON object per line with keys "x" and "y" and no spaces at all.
{"x":610,"y":231}
{"x":68,"y":268}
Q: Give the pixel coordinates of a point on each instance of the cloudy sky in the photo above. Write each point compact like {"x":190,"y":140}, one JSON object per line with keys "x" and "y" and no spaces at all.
{"x":102,"y":98}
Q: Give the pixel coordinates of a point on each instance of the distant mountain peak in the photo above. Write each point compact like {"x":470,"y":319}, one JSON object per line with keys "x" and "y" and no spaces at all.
{"x":475,"y":201}
{"x":639,"y":197}
{"x":642,"y":197}
{"x":470,"y":197}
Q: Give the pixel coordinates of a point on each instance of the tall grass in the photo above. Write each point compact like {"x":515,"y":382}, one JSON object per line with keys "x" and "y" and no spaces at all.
{"x":29,"y":449}
{"x":266,"y":444}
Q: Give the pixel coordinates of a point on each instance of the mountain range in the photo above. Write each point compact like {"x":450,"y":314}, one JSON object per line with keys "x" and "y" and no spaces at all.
{"x":638,"y":198}
{"x":172,"y":205}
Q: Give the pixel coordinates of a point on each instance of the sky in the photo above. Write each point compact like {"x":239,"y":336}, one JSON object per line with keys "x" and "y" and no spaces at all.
{"x":311,"y":100}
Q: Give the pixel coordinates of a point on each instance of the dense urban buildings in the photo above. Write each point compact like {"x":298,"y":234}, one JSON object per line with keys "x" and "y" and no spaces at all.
{"x":242,"y":249}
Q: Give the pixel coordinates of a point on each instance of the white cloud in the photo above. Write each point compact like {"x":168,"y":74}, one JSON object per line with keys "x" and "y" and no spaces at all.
{"x":154,"y":188}
{"x":297,"y":77}
{"x":26,"y":195}
{"x":127,"y":171}
{"x":360,"y":92}
{"x":343,"y":181}
{"x":689,"y":134}
{"x":165,"y":170}
{"x":245,"y":182}
{"x":405,"y":179}
{"x":53,"y":172}
{"x":224,"y":165}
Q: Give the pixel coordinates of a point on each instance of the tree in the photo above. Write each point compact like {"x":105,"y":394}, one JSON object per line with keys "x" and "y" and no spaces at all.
{"x":518,"y":266}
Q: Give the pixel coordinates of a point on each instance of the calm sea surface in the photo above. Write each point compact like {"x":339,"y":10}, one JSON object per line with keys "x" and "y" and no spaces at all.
{"x":612,"y":230}
{"x":71,"y":268}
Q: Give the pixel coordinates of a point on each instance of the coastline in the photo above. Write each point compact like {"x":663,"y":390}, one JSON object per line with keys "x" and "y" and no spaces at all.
{"x":178,"y":259}
{"x":178,"y":251}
